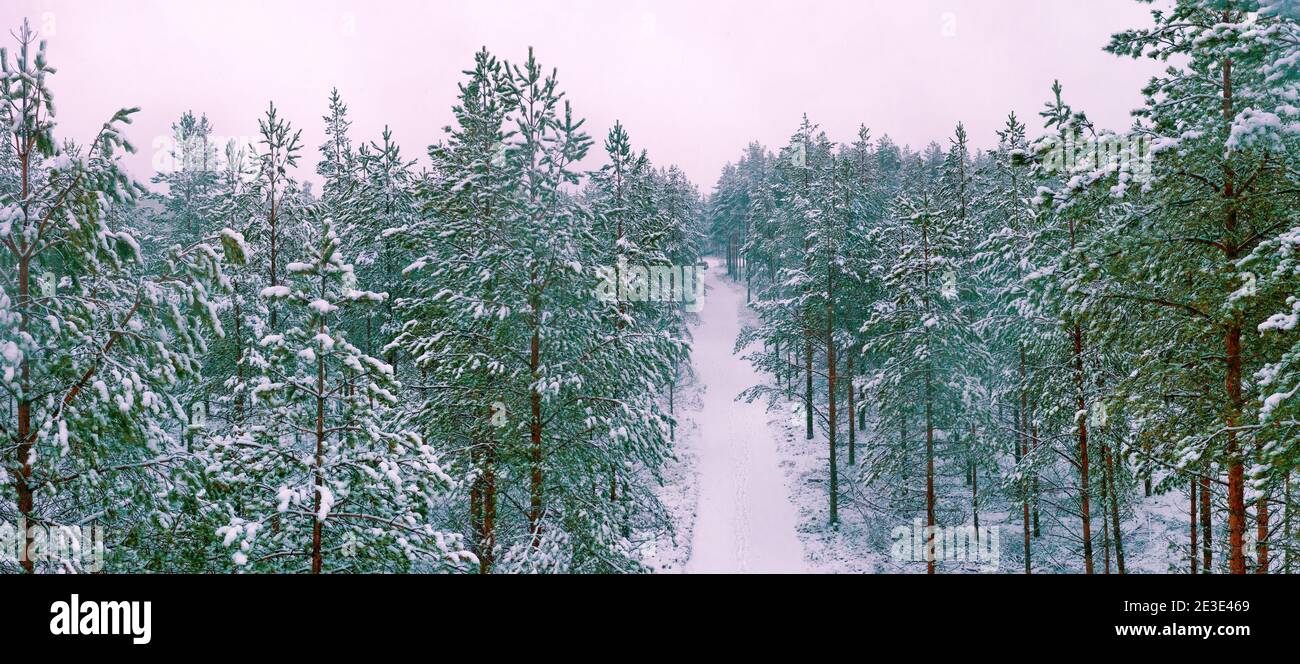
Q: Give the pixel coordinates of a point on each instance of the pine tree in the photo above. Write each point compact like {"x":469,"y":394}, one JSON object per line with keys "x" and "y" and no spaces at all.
{"x":94,"y":344}
{"x":191,"y":178}
{"x":460,"y":324}
{"x":280,"y":148}
{"x":332,"y":437}
{"x":917,"y":338}
{"x":1217,"y":189}
{"x":338,"y":164}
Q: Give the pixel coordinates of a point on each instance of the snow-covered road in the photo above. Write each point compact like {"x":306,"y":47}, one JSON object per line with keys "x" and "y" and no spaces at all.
{"x":744,"y":520}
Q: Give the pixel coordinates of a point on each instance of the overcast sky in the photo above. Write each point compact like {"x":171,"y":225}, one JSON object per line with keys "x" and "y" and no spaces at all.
{"x":693,"y":80}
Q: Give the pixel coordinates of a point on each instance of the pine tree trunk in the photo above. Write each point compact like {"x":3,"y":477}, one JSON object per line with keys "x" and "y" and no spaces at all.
{"x":1022,"y":451}
{"x":1191,"y":513}
{"x":239,"y":353}
{"x":1261,"y":533}
{"x":535,"y":435}
{"x":483,"y":496}
{"x":619,"y":323}
{"x":273,"y":235}
{"x":808,"y":384}
{"x":476,"y":502}
{"x":929,"y":472}
{"x":852,"y":410}
{"x":1236,"y":468}
{"x":1033,"y":432}
{"x":975,"y":495}
{"x":830,"y":392}
{"x":1207,"y":539}
{"x":1084,"y":502}
{"x":1113,"y":493}
{"x":1105,"y":530}
{"x":320,"y":457}
{"x":672,"y":390}
{"x":488,"y":540}
{"x":1232,"y":344}
{"x":1286,"y":523}
{"x":25,"y":436}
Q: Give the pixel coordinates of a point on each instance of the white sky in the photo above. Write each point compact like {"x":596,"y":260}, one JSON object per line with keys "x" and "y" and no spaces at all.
{"x":694,"y":82}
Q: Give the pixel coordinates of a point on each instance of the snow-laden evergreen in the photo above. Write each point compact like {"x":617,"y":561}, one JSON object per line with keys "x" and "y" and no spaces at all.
{"x":1060,"y":333}
{"x":477,"y":356}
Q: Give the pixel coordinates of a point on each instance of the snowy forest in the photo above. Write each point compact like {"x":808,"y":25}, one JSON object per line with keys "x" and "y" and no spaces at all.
{"x":1077,"y":350}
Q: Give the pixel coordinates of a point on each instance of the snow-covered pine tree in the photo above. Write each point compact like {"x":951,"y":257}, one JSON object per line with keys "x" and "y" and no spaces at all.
{"x":1222,"y":182}
{"x":333,"y":477}
{"x":190,"y":175}
{"x":338,"y":163}
{"x":528,"y":377}
{"x":93,"y":343}
{"x":547,"y":142}
{"x":918,"y":338}
{"x":280,"y":148}
{"x":460,"y":324}
{"x":236,"y":201}
{"x":637,"y":352}
{"x":790,"y":316}
{"x":384,"y":203}
{"x":1006,"y":317}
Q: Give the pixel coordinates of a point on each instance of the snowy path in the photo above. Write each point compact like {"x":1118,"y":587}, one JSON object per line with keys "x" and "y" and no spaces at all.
{"x":744,"y":520}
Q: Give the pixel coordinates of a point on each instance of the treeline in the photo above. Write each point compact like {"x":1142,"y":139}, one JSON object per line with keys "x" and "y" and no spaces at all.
{"x":410,"y":371}
{"x":1049,"y":332}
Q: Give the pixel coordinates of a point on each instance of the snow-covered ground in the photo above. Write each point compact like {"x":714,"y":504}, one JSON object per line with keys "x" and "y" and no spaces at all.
{"x":744,"y":519}
{"x":680,"y":489}
{"x":747,"y":492}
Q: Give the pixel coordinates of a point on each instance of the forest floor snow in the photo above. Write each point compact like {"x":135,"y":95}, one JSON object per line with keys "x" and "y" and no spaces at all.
{"x":744,"y":520}
{"x":747,"y":492}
